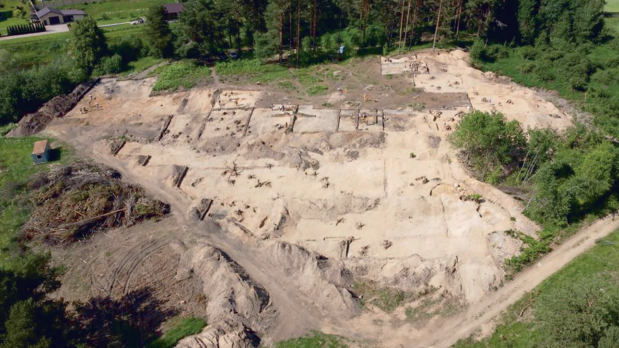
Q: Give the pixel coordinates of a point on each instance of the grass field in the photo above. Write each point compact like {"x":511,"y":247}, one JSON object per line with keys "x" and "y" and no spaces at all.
{"x":16,"y":168}
{"x":116,"y":11}
{"x":515,"y":331}
{"x":612,"y":6}
{"x":186,"y":327}
{"x":44,"y":49}
{"x":186,"y":74}
{"x":315,"y":340}
{"x":11,"y":5}
{"x":613,"y":23}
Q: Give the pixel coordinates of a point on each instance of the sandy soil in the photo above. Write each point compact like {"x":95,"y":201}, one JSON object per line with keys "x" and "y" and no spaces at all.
{"x":299,"y":196}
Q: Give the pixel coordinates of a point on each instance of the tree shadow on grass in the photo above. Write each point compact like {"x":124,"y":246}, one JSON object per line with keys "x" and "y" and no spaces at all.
{"x":130,"y":321}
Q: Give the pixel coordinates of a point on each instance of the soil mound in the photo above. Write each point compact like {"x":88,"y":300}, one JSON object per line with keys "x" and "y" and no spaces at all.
{"x":324,"y":280}
{"x":237,"y":305}
{"x":77,"y":200}
{"x":57,"y":107}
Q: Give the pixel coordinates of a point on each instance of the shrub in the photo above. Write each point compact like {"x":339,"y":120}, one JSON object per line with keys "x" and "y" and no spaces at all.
{"x":526,"y":67}
{"x":528,"y":52}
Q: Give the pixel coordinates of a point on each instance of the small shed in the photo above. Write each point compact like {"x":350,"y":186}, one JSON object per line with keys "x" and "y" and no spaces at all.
{"x":40,"y":152}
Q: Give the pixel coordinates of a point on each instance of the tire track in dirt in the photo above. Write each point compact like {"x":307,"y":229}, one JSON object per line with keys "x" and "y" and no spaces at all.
{"x":297,"y":314}
{"x":132,"y":259}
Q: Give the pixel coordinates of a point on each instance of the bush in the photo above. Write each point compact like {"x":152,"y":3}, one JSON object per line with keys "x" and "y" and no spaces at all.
{"x":489,"y":141}
{"x":526,"y":67}
{"x":110,"y":65}
{"x":528,"y":53}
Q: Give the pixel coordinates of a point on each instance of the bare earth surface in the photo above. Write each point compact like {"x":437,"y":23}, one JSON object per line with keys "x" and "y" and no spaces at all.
{"x":282,"y":207}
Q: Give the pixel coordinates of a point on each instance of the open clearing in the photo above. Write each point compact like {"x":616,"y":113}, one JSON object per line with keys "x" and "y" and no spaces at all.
{"x":282,"y":206}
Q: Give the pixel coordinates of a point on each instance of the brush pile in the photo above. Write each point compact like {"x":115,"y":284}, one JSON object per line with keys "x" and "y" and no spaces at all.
{"x":75,"y":201}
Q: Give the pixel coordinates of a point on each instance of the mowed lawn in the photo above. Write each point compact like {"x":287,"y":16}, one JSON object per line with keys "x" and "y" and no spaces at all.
{"x":612,"y":23}
{"x":612,"y":6}
{"x":117,"y":11}
{"x":10,"y":6}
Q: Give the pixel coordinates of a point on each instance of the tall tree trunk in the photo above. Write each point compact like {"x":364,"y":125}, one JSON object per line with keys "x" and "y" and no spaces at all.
{"x":459,"y":16}
{"x":438,"y":23}
{"x":298,"y":30}
{"x":408,"y":14}
{"x":401,"y":26}
{"x":291,"y":32}
{"x":413,"y":25}
{"x":281,"y":37}
{"x":315,"y":25}
{"x":365,"y":14}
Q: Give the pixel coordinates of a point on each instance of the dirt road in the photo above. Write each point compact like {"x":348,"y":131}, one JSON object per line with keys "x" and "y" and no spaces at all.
{"x":297,"y":312}
{"x":467,"y":323}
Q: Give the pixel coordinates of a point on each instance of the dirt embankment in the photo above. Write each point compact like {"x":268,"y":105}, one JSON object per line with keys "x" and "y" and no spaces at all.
{"x":57,"y":107}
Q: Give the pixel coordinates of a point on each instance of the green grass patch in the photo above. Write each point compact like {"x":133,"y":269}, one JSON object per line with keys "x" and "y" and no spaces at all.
{"x":10,"y":6}
{"x":141,"y":64}
{"x":187,"y":327}
{"x":252,"y":70}
{"x":315,"y":340}
{"x":317,"y":90}
{"x":521,"y":330}
{"x":387,"y":299}
{"x":116,"y":11}
{"x":16,"y":167}
{"x":611,"y":6}
{"x":185,"y":74}
{"x":36,"y":50}
{"x":7,"y":128}
{"x":612,"y":23}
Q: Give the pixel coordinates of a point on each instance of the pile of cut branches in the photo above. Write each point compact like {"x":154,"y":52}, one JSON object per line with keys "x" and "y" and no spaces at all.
{"x":73,"y":202}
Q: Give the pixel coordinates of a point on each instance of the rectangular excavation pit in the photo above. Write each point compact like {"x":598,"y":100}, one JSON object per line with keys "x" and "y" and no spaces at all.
{"x":310,"y":120}
{"x":233,"y":99}
{"x":394,"y":66}
{"x":226,"y":123}
{"x":367,"y":120}
{"x":267,"y":120}
{"x":399,"y":120}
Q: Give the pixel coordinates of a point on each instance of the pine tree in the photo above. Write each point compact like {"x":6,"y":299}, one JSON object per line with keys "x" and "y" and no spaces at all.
{"x":158,"y":33}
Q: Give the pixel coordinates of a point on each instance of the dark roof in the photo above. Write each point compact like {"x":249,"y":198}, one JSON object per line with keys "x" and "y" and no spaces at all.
{"x":48,"y":10}
{"x":39,"y":147}
{"x":174,"y":8}
{"x":72,"y":12}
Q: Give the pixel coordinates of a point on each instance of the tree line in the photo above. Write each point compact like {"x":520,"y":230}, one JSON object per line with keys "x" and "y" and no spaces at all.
{"x":272,"y":26}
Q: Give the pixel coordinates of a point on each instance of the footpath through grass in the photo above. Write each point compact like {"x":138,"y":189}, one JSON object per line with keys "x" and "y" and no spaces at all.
{"x":521,"y":326}
{"x":16,"y":167}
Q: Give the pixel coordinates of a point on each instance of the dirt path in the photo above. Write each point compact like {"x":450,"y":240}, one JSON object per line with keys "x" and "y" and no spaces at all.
{"x":467,"y":323}
{"x":297,"y":312}
{"x":144,"y":74}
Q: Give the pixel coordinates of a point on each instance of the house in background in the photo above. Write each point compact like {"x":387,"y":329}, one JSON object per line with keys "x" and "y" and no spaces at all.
{"x":52,"y":16}
{"x":40,"y":152}
{"x":172,"y":11}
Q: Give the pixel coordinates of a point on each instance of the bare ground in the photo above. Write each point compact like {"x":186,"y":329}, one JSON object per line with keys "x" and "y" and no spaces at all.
{"x":305,"y":201}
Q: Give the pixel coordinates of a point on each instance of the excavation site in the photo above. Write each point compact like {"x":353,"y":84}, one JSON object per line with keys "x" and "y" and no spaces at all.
{"x":348,"y":213}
